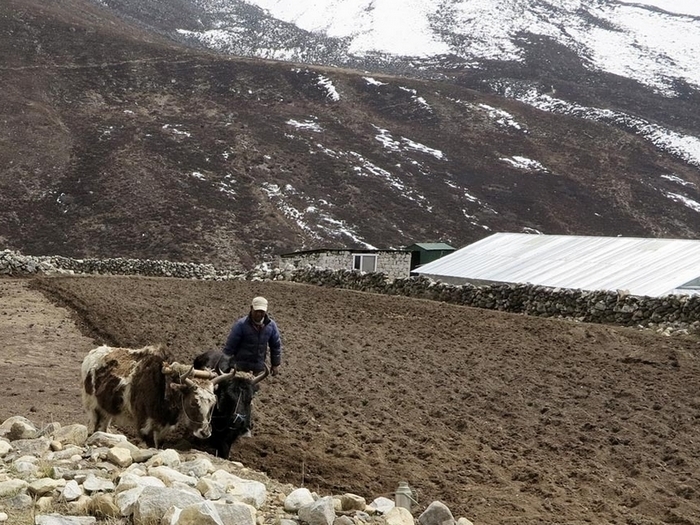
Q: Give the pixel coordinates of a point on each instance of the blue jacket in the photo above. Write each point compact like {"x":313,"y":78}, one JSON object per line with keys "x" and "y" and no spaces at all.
{"x":248,"y":344}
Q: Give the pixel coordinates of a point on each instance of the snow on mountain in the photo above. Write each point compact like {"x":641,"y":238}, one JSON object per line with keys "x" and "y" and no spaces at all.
{"x":652,"y":41}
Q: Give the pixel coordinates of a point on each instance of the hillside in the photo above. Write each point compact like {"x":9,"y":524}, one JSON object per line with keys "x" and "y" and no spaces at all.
{"x":503,"y":417}
{"x":118,"y":141}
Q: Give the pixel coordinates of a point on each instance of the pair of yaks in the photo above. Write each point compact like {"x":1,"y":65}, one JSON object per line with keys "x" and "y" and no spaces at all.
{"x":142,"y":389}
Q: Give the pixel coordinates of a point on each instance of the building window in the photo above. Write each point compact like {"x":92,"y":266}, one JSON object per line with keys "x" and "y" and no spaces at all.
{"x":364,"y":263}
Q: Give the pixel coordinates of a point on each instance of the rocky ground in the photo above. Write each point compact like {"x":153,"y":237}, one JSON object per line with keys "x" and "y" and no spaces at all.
{"x":504,"y":418}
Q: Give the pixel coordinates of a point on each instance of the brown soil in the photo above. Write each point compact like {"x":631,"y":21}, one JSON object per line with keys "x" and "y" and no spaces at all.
{"x":505,"y":418}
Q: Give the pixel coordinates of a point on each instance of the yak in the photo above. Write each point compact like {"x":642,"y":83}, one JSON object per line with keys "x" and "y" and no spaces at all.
{"x":140,"y":388}
{"x":232,"y":417}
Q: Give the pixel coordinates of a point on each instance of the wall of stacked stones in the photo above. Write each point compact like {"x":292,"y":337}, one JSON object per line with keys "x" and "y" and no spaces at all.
{"x":679,"y":312}
{"x":15,"y":264}
{"x":676,"y":313}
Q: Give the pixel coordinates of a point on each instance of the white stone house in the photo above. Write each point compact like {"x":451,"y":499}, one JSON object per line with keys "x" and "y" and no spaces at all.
{"x":393,"y":263}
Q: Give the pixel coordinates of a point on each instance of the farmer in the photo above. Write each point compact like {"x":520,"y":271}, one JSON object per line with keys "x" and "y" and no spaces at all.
{"x":250,"y":337}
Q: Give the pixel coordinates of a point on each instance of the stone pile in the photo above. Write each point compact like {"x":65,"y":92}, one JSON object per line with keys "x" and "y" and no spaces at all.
{"x":60,"y":475}
{"x":676,"y":314}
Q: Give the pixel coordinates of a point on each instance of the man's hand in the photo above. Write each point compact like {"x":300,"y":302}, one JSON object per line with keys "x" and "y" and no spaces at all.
{"x":274,"y":370}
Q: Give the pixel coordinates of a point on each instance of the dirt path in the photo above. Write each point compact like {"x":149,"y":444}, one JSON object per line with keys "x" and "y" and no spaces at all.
{"x":40,"y":351}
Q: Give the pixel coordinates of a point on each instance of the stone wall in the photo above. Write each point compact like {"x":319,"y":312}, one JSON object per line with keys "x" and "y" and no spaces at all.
{"x":671,"y":314}
{"x":16,"y":264}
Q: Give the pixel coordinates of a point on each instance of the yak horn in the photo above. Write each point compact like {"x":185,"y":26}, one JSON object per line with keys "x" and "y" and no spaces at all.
{"x":261,"y":375}
{"x":223,"y":377}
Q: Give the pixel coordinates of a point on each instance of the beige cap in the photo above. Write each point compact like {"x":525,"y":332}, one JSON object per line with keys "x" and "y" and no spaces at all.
{"x":259,"y":303}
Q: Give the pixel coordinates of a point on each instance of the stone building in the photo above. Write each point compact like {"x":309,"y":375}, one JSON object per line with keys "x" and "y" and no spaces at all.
{"x":393,"y":263}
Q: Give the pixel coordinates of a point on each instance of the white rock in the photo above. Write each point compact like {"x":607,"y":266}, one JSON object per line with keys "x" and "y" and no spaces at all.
{"x":57,"y":519}
{"x":398,"y":516}
{"x":226,"y":479}
{"x":129,"y":446}
{"x":12,"y":487}
{"x":136,"y":468}
{"x":120,"y":456}
{"x":242,"y":490}
{"x":32,"y":447}
{"x":71,"y":491}
{"x":171,"y":516}
{"x":197,"y":468}
{"x":25,"y":469}
{"x":238,"y":513}
{"x":437,"y":513}
{"x":143,"y":454}
{"x":71,"y":435}
{"x":343,"y":520}
{"x":464,"y":521}
{"x":45,"y":486}
{"x":167,"y":457}
{"x":3,"y":517}
{"x":68,"y":452}
{"x":126,"y":500}
{"x":94,"y":484}
{"x":154,"y":502}
{"x":203,"y":513}
{"x":210,"y":489}
{"x":382,"y":504}
{"x":351,"y":501}
{"x":169,"y":475}
{"x":18,"y":427}
{"x":185,"y":488}
{"x":251,"y":492}
{"x":105,"y":439}
{"x":297,"y":499}
{"x":320,"y":512}
{"x":130,"y":480}
{"x":5,"y":448}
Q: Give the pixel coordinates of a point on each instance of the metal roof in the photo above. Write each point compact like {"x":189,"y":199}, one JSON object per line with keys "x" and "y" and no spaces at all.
{"x":653,"y":267}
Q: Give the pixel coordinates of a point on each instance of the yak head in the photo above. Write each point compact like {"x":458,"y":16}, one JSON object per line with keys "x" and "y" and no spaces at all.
{"x":193,"y":390}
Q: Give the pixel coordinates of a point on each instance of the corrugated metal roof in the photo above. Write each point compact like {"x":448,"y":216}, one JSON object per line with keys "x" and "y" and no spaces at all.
{"x":653,"y":267}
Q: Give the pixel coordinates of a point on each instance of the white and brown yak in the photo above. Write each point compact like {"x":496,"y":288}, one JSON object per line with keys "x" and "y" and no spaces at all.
{"x":140,"y":388}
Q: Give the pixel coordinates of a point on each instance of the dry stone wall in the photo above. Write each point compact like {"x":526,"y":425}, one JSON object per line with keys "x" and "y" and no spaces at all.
{"x":677,"y":314}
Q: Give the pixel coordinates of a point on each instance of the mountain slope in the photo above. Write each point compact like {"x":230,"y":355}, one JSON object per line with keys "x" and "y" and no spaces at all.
{"x":120,"y":141}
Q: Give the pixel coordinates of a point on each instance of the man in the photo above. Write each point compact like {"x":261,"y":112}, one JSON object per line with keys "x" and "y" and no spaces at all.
{"x":250,"y":337}
{"x":247,"y":344}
